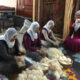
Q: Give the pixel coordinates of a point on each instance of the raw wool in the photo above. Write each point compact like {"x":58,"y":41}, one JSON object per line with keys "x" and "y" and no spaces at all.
{"x":64,"y":60}
{"x":54,"y":53}
{"x":56,"y":58}
{"x":51,"y":62}
{"x":55,"y":66}
{"x":32,"y":75}
{"x":57,"y":75}
{"x":46,"y":64}
{"x":42,"y":66}
{"x":22,"y":63}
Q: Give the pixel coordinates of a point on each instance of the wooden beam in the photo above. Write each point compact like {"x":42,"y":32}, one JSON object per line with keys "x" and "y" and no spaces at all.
{"x":67,"y":17}
{"x":38,"y":10}
{"x":77,"y":5}
{"x":34,"y":4}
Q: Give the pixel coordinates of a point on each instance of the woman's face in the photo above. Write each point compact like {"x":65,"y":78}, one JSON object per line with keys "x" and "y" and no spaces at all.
{"x":37,"y":29}
{"x":51,"y":27}
{"x":14,"y":38}
{"x":77,"y":16}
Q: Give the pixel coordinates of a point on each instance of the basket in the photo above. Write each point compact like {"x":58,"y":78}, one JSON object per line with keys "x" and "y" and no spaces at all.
{"x":67,"y":66}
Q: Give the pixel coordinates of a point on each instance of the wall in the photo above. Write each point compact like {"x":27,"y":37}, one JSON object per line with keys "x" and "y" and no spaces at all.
{"x":10,"y":3}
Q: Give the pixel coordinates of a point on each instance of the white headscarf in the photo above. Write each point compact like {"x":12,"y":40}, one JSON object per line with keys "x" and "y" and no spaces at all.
{"x":25,"y":26}
{"x":77,"y":27}
{"x":48,"y":25}
{"x":78,"y":12}
{"x":27,"y":23}
{"x":31,"y":31}
{"x":9,"y":34}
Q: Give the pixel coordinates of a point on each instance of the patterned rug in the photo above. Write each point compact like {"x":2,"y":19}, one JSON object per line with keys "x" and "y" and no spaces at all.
{"x":72,"y":75}
{"x":74,"y":72}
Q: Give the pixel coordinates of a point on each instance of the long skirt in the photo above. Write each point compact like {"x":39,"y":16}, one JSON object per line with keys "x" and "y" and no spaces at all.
{"x":72,"y":44}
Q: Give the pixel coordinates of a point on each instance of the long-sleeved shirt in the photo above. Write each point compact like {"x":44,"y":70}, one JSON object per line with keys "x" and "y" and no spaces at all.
{"x":31,"y":45}
{"x":7,"y":54}
{"x":47,"y":36}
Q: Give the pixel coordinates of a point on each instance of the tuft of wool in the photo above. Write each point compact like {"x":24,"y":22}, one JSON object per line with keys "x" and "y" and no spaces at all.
{"x":22,"y":63}
{"x":54,"y":53}
{"x":32,"y":75}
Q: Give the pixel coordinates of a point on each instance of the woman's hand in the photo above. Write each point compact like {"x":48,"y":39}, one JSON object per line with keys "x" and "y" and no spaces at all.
{"x":72,"y":36}
{"x":55,"y":44}
{"x":33,"y":67}
{"x":42,"y":47}
{"x":39,"y":51}
{"x":78,"y":21}
{"x":18,"y":58}
{"x":23,"y":50}
{"x":42,"y":53}
{"x":73,"y":25}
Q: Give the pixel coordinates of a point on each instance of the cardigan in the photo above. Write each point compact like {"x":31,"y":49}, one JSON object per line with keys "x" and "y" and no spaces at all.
{"x":6,"y":53}
{"x":29,"y":44}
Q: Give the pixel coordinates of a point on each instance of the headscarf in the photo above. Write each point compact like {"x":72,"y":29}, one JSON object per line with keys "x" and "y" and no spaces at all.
{"x":31,"y":31}
{"x":77,"y":27}
{"x":9,"y":34}
{"x":48,"y":25}
{"x":78,"y":12}
{"x":25,"y":26}
{"x":27,"y":23}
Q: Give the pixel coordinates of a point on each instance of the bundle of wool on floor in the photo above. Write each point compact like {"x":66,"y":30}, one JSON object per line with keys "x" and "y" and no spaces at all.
{"x":54,"y":53}
{"x":32,"y":75}
{"x":54,"y":68}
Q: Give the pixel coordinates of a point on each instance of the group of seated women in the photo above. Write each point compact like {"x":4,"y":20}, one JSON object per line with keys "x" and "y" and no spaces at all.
{"x":33,"y":40}
{"x":10,"y":53}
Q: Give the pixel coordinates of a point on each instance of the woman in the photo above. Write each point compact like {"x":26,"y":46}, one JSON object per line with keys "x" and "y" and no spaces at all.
{"x":25,"y":26}
{"x":9,"y":52}
{"x":32,"y":43}
{"x":72,"y":42}
{"x":47,"y":36}
{"x":77,"y":16}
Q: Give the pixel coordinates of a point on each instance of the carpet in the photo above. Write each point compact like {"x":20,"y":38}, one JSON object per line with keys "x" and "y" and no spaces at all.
{"x":72,"y":75}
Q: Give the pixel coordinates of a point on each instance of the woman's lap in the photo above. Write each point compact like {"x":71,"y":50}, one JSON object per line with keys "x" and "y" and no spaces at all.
{"x":34,"y":55}
{"x":7,"y":67}
{"x":72,"y":44}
